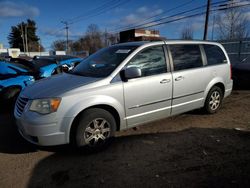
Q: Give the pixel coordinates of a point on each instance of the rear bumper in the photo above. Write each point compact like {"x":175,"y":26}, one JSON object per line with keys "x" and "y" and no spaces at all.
{"x":228,"y":89}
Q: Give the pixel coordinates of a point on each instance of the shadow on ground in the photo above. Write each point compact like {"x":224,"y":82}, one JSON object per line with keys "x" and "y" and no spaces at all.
{"x":193,"y":158}
{"x":10,"y":139}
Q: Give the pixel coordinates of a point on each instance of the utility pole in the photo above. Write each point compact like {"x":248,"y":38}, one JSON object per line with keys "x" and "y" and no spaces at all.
{"x":26,"y":38}
{"x":23,"y":37}
{"x":106,"y":37}
{"x":213,"y":28}
{"x":67,"y":34}
{"x":39,"y":46}
{"x":206,"y":20}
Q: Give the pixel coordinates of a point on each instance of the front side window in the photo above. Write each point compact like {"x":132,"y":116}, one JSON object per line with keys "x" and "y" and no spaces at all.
{"x":214,"y":54}
{"x":151,"y":61}
{"x":186,"y":56}
{"x":103,"y":62}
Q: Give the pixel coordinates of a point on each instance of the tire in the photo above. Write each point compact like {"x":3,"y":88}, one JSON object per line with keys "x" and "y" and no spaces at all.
{"x":214,"y":100}
{"x":10,"y":97}
{"x":95,"y":129}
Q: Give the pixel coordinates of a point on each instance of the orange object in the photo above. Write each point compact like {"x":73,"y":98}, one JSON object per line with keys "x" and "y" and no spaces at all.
{"x":54,"y":104}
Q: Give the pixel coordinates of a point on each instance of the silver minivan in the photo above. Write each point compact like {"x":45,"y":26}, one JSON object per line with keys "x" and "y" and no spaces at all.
{"x":123,"y":86}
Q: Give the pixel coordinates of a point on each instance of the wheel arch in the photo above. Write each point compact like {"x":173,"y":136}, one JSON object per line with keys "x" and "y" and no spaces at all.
{"x":11,"y":88}
{"x":221,"y":86}
{"x":106,"y":107}
{"x":207,"y":107}
{"x":215,"y":82}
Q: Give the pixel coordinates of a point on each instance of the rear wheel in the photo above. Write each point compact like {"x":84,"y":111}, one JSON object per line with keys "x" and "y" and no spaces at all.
{"x":95,"y":128}
{"x":213,"y":100}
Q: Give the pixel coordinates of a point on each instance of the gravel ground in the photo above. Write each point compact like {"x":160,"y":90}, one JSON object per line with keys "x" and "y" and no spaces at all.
{"x":191,"y":150}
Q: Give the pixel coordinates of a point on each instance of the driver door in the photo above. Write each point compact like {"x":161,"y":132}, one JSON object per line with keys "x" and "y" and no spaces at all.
{"x":148,"y":97}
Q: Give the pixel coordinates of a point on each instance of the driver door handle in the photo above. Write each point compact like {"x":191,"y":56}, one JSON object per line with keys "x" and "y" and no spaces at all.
{"x":164,"y":81}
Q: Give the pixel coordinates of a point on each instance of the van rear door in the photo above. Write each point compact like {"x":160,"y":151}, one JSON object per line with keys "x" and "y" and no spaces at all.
{"x":189,"y":77}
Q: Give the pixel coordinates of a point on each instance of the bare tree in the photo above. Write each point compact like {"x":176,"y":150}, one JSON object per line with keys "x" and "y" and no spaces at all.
{"x":59,"y":45}
{"x":187,"y":33}
{"x":92,"y":41}
{"x":232,"y":23}
{"x":113,"y":38}
{"x":76,"y":46}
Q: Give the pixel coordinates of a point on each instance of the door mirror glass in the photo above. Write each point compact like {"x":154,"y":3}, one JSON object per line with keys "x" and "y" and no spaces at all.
{"x":132,"y":72}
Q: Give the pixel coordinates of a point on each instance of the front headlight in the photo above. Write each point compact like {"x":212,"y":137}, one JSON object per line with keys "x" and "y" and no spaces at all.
{"x":45,"y":106}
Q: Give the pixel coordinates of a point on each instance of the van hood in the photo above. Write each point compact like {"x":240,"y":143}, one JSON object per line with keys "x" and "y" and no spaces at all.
{"x":56,"y":85}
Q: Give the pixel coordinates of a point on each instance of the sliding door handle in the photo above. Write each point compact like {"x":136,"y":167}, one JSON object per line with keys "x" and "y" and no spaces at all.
{"x":179,"y":78}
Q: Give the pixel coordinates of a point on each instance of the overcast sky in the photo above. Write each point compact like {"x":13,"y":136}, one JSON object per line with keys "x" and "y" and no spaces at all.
{"x":112,"y":15}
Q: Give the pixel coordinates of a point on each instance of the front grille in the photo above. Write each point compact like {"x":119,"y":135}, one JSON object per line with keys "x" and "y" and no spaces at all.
{"x":20,"y":105}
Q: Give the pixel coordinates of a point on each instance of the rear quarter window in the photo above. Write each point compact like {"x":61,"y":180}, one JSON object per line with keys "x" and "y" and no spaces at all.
{"x":215,"y":55}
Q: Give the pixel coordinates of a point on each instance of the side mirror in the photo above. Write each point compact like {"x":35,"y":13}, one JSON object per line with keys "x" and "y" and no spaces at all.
{"x":132,"y":72}
{"x":65,"y":68}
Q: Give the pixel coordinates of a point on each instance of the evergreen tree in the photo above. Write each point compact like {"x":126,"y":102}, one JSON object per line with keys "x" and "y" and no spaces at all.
{"x":17,"y":36}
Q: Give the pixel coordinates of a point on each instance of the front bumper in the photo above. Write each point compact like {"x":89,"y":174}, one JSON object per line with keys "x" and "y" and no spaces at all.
{"x":41,"y":132}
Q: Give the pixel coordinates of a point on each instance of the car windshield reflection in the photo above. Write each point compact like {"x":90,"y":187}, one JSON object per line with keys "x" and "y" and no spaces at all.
{"x":103,"y":62}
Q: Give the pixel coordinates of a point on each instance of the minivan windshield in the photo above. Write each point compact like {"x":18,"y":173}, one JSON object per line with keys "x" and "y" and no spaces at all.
{"x":103,"y":62}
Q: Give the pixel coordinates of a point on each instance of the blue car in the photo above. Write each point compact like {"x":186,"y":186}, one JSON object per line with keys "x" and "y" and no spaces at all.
{"x":14,"y":77}
{"x":50,"y":65}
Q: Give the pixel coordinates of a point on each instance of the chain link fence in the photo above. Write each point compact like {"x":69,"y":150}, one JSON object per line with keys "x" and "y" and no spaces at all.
{"x":238,"y":50}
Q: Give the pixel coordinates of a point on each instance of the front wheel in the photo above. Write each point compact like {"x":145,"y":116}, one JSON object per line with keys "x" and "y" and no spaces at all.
{"x":9,"y":98}
{"x":213,"y":100}
{"x":95,"y":129}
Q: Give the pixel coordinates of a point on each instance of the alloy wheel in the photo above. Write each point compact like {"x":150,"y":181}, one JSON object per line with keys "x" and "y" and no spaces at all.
{"x":214,"y":101}
{"x":97,"y":132}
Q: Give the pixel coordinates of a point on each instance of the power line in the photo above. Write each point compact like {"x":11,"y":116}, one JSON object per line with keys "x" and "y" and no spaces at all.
{"x":167,"y":17}
{"x":164,"y":12}
{"x":193,"y":15}
{"x":181,"y":15}
{"x":230,"y":3}
{"x":175,"y":16}
{"x":107,"y":4}
{"x":54,"y":33}
{"x":101,"y":11}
